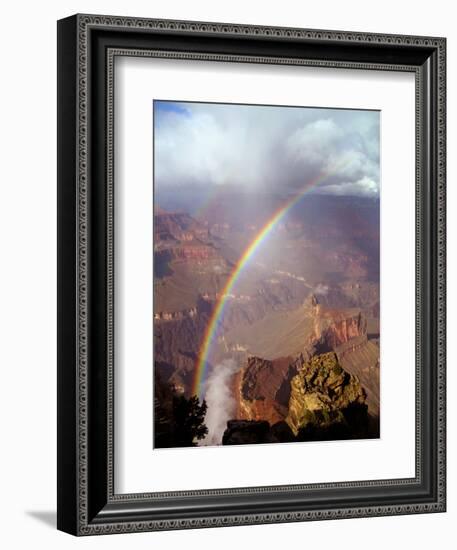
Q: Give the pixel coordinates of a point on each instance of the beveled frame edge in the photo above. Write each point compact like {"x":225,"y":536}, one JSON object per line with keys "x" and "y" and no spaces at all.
{"x":73,"y":514}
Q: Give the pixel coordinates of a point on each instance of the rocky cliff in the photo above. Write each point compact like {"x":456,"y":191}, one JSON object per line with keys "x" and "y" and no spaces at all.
{"x":325,"y":402}
{"x":176,"y":343}
{"x":360,"y":357}
{"x":183,"y":243}
{"x":263,"y":388}
{"x":346,"y":332}
{"x":322,"y":396}
{"x":196,"y":251}
{"x":242,"y":432}
{"x":177,"y":226}
{"x":333,"y":326}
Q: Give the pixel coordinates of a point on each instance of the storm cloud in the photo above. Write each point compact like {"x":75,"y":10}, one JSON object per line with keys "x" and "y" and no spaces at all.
{"x":262,"y":147}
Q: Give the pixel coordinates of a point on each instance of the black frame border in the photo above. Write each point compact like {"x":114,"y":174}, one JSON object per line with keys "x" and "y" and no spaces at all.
{"x":87,"y":46}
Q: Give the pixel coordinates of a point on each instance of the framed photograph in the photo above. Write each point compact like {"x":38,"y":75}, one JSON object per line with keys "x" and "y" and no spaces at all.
{"x":251,"y":274}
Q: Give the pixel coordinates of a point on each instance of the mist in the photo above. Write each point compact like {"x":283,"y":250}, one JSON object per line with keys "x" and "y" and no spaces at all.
{"x":221,"y":404}
{"x":321,"y":290}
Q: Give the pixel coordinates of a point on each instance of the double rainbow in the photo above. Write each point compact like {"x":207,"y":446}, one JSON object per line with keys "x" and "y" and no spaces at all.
{"x":218,"y":311}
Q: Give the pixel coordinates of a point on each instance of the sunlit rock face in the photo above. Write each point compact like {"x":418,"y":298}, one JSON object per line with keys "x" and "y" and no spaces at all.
{"x":322,"y":393}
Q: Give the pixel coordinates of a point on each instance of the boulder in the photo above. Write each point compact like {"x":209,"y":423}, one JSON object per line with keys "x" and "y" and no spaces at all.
{"x":241,"y":432}
{"x":326,"y":401}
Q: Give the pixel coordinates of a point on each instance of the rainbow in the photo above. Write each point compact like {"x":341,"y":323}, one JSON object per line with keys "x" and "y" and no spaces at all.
{"x":218,"y":311}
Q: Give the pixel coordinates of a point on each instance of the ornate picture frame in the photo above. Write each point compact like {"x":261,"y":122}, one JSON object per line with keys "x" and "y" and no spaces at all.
{"x":87,"y":500}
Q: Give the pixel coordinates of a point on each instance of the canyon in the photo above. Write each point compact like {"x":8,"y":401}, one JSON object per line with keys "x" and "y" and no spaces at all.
{"x":311,"y":294}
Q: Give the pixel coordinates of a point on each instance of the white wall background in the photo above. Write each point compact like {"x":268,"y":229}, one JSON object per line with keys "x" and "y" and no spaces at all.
{"x":28,"y":270}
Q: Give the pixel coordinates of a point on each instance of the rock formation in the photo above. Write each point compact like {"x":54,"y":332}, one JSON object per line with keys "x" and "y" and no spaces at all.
{"x":241,"y":432}
{"x":179,"y":226}
{"x":333,"y":327}
{"x":196,"y":251}
{"x":323,"y":396}
{"x":360,"y":357}
{"x":264,"y":387}
{"x":326,"y":402}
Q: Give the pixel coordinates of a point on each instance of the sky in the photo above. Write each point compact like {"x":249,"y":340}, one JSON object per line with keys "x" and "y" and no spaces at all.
{"x":264,"y":147}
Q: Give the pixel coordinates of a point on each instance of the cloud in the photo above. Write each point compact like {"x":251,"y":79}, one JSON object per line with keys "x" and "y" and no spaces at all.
{"x":313,"y":142}
{"x":365,"y":187}
{"x":321,"y":290}
{"x":262,"y":147}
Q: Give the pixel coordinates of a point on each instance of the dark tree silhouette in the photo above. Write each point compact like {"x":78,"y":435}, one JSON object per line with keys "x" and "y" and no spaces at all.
{"x":178,"y":421}
{"x":188,"y":416}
